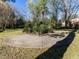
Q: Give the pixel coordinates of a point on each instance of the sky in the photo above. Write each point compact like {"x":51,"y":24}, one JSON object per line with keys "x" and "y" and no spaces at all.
{"x":22,"y":7}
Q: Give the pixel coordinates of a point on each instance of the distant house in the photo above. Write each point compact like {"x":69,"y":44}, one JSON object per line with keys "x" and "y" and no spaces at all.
{"x":73,"y":22}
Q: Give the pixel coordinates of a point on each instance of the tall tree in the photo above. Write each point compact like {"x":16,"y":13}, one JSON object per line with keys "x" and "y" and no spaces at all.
{"x":5,"y":14}
{"x":32,"y":8}
{"x":38,"y":10}
{"x":43,"y":8}
{"x":68,"y":8}
{"x":54,"y":6}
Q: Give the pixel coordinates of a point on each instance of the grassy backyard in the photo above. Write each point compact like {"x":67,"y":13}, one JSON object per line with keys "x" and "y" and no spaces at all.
{"x":39,"y":29}
{"x":8,"y":52}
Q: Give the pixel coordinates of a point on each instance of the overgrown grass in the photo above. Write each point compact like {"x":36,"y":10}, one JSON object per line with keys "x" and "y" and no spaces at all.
{"x":8,"y":52}
{"x":73,"y":50}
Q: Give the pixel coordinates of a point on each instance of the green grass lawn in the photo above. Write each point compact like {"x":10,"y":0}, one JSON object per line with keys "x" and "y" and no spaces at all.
{"x":8,"y":52}
{"x":10,"y":33}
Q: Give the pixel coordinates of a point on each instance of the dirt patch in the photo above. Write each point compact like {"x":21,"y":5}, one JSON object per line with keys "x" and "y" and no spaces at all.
{"x":32,"y":41}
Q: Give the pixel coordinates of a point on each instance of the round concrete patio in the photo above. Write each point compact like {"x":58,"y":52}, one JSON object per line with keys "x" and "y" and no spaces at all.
{"x":32,"y":41}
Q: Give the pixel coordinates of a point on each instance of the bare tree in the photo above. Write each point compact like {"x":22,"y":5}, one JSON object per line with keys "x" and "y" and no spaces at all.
{"x":5,"y":14}
{"x":70,"y":9}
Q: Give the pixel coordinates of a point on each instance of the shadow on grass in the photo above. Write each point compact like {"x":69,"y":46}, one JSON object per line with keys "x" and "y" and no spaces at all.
{"x":57,"y":51}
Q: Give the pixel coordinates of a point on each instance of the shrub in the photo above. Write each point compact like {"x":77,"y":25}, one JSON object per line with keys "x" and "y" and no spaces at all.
{"x":28,"y":27}
{"x":39,"y":27}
